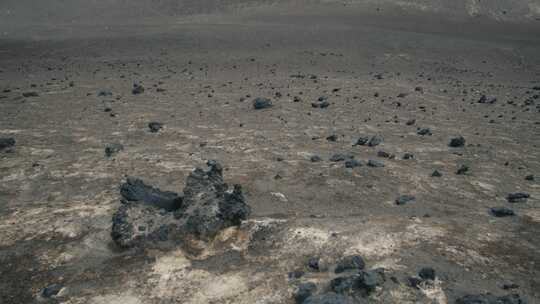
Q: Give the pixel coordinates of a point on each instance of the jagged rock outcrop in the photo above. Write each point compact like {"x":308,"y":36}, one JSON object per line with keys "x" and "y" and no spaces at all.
{"x":207,"y":206}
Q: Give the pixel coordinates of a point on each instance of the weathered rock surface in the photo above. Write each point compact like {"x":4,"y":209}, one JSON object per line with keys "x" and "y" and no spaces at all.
{"x":151,"y":215}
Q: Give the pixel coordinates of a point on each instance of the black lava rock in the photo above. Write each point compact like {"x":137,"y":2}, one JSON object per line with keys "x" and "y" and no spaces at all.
{"x":206,"y":208}
{"x":6,"y":142}
{"x":427,"y":273}
{"x":304,"y":291}
{"x":135,"y":190}
{"x":424,"y":131}
{"x":487,"y":100}
{"x":340,"y":157}
{"x":410,"y":122}
{"x":30,"y":94}
{"x":352,"y":163}
{"x":296,"y":274}
{"x":463,"y":169}
{"x":260,"y":103}
{"x":408,"y":156}
{"x":315,"y":158}
{"x":457,"y":142}
{"x":362,"y":283}
{"x":313,"y":263}
{"x":113,"y":149}
{"x":104,"y":93}
{"x":155,"y":126}
{"x":51,"y":290}
{"x":517,"y":197}
{"x":502,"y":211}
{"x":375,"y":141}
{"x":352,"y":262}
{"x":403,"y":199}
{"x":137,"y":89}
{"x":383,"y":154}
{"x":436,"y":173}
{"x":529,"y":177}
{"x":332,"y":137}
{"x":362,"y":140}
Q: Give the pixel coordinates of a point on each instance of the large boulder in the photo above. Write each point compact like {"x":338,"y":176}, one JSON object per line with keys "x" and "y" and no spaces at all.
{"x":148,"y":214}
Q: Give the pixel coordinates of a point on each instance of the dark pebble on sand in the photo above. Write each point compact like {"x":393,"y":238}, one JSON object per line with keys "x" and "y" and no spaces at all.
{"x":260,"y":103}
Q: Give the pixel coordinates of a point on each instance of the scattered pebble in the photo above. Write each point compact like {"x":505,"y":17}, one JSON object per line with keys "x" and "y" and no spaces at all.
{"x":502,"y":211}
{"x":113,"y":149}
{"x":155,"y":126}
{"x":260,"y":103}
{"x":6,"y":143}
{"x":457,"y":142}
{"x":517,"y":197}
{"x":137,"y":89}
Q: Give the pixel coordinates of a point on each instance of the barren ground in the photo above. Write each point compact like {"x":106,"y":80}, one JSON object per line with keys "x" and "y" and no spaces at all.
{"x":201,"y":72}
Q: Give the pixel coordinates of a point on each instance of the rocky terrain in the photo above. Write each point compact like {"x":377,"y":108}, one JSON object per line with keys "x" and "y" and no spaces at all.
{"x":270,"y":152}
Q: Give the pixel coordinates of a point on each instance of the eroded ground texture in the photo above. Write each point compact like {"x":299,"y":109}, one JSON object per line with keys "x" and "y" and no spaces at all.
{"x":414,"y":74}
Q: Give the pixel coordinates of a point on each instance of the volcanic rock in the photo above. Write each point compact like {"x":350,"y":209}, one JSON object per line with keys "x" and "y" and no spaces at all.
{"x":151,"y":215}
{"x":6,"y":142}
{"x":260,"y":103}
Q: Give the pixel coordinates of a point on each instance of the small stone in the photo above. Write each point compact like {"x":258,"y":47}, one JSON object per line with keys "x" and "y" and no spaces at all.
{"x":424,"y":131}
{"x":427,"y":273}
{"x":436,"y":173}
{"x":104,"y":93}
{"x":260,"y":103}
{"x":414,"y":282}
{"x":517,"y":197}
{"x":296,"y":274}
{"x":340,"y":157}
{"x":137,"y":89}
{"x":315,"y":158}
{"x":113,"y":149}
{"x":510,"y":286}
{"x":362,"y":140}
{"x":410,"y":122}
{"x":313,"y":263}
{"x":155,"y":126}
{"x":375,"y":163}
{"x":403,"y":199}
{"x":457,"y":142}
{"x":332,"y":137}
{"x":352,"y":262}
{"x":408,"y":156}
{"x":529,"y":177}
{"x":30,"y":94}
{"x":375,"y":141}
{"x":463,"y":169}
{"x":383,"y":154}
{"x":6,"y":142}
{"x":486,"y":99}
{"x":352,"y":163}
{"x":51,"y":290}
{"x":502,"y":211}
